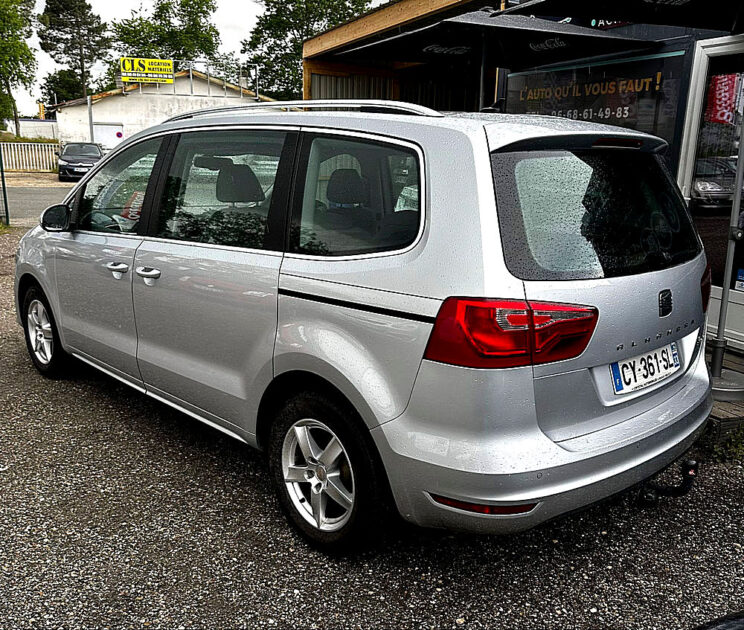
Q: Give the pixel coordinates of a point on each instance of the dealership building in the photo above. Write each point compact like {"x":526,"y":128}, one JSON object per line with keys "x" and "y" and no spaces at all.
{"x":672,"y":69}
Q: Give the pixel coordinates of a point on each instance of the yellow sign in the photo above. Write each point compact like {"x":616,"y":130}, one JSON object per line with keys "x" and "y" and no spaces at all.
{"x":136,"y":70}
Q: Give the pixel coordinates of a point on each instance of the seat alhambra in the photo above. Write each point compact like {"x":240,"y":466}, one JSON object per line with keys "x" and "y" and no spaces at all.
{"x":481,"y":320}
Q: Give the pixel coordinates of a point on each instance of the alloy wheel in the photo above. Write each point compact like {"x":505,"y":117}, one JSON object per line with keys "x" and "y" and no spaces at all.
{"x":39,"y":328}
{"x":318,"y":475}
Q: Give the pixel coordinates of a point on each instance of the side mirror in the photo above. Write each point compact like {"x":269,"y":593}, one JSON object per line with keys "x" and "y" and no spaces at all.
{"x":56,"y":218}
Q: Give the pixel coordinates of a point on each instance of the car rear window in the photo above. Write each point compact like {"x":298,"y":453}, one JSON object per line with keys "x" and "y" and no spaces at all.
{"x":581,"y":214}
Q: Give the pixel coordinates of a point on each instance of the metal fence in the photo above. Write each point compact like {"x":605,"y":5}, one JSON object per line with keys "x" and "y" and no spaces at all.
{"x":29,"y":156}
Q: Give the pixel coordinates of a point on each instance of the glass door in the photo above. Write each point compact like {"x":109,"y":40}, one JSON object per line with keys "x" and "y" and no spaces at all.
{"x":712,"y":187}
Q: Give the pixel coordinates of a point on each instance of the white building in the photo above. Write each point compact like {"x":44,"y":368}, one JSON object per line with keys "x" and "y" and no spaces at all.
{"x":35,"y":128}
{"x":121,"y":113}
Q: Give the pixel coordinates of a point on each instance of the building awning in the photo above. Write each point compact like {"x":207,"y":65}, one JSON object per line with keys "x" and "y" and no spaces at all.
{"x":718,"y":15}
{"x":507,"y":41}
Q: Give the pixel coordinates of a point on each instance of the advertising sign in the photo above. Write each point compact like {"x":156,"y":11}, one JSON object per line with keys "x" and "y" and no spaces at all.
{"x":137,"y":70}
{"x":722,"y":96}
{"x":639,"y":93}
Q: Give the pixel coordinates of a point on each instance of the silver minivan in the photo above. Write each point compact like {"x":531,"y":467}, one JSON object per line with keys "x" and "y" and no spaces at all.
{"x":480,"y":320}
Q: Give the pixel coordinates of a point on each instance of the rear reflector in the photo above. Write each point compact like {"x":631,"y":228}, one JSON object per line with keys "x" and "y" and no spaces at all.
{"x":705,"y":284}
{"x":484,"y":333}
{"x":480,"y":508}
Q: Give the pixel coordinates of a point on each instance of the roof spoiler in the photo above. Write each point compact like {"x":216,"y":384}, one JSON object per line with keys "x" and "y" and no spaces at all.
{"x":585,"y":141}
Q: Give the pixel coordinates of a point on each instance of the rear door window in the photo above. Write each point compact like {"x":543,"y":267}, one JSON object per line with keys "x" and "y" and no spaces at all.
{"x":220,"y":188}
{"x":572,"y":215}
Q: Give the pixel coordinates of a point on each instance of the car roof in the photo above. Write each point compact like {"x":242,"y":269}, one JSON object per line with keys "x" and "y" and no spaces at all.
{"x":501,"y":129}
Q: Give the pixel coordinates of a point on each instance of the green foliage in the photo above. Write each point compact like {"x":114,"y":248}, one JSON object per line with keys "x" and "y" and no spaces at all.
{"x":275,"y":44}
{"x":64,"y":84}
{"x":74,"y":36}
{"x":6,"y":136}
{"x":17,"y":62}
{"x":6,"y":108}
{"x":176,"y":29}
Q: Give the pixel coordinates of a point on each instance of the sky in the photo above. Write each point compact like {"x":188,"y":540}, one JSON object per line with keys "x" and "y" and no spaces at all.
{"x":234,"y":20}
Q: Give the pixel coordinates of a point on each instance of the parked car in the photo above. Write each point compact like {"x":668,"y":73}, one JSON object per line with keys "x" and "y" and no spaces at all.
{"x":713,"y":184}
{"x":76,"y":159}
{"x":511,"y":331}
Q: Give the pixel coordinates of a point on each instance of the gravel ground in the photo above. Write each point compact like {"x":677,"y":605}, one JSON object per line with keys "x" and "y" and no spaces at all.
{"x":117,"y":511}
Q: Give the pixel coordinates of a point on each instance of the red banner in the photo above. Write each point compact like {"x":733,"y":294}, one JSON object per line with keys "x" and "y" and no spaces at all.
{"x":722,"y":93}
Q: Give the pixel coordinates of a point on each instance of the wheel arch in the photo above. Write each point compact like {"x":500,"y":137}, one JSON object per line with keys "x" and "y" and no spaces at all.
{"x":25,"y":282}
{"x":286,"y":385}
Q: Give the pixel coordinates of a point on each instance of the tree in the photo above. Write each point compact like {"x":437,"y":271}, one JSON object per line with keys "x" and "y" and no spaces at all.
{"x":177,"y":29}
{"x":275,"y":44}
{"x":74,"y":36}
{"x":60,"y":86}
{"x":17,"y":62}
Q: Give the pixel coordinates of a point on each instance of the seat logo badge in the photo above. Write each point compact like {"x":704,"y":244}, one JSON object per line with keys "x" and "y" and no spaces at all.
{"x":665,"y":303}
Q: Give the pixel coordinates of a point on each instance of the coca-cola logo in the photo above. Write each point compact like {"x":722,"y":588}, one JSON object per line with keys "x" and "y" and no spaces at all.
{"x":548,"y":44}
{"x":436,"y":49}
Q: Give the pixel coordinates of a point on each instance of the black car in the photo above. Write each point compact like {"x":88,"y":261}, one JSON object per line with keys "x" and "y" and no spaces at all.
{"x":77,"y":158}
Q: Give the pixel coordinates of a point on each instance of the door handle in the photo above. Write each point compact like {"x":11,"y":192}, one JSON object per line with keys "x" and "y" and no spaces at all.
{"x":149,"y":274}
{"x":117,"y":269}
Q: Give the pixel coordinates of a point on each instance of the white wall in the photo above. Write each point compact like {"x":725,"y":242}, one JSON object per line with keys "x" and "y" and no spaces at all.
{"x":139,"y":110}
{"x":35,"y":128}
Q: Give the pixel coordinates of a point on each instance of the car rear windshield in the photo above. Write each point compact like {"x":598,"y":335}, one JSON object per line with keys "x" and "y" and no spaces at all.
{"x":580,"y":214}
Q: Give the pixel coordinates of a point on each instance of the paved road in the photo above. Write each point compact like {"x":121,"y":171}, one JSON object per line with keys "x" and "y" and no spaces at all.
{"x":27,"y":203}
{"x":117,"y":511}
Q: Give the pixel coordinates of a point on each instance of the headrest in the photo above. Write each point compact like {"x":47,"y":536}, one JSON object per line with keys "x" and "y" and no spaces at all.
{"x":238,"y":183}
{"x":346,"y":186}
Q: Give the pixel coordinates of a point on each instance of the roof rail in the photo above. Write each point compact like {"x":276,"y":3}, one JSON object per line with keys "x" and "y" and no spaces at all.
{"x":369,"y":106}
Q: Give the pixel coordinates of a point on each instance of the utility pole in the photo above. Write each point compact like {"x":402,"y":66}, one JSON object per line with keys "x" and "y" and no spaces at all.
{"x":2,"y":183}
{"x":90,"y":118}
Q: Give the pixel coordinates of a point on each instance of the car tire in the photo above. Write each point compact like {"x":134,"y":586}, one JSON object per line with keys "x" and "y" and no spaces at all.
{"x":42,"y":337}
{"x":335,"y":493}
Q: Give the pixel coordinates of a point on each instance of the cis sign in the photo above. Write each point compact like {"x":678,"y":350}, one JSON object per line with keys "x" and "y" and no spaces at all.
{"x":140,"y":70}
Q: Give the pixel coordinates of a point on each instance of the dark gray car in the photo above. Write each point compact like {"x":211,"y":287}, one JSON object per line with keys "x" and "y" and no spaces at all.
{"x":77,"y":158}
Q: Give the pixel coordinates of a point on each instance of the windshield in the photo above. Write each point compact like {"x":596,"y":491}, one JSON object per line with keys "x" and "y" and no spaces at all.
{"x":86,"y":150}
{"x":572,"y":215}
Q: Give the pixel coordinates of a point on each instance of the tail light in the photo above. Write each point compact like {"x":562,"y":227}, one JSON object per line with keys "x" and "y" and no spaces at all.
{"x":484,"y":333}
{"x":705,"y":284}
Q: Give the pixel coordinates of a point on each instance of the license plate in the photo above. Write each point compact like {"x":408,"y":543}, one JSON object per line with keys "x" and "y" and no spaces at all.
{"x":82,"y":170}
{"x":646,"y":369}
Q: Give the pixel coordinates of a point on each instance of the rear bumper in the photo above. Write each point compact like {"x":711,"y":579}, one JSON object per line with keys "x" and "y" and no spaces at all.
{"x":527,"y":467}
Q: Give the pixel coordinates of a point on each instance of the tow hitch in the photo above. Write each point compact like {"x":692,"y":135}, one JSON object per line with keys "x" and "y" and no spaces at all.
{"x":651,"y":491}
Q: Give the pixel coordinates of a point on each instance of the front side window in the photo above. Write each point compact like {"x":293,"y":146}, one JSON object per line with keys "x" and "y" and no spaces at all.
{"x":573,"y":215}
{"x":359,"y":197}
{"x":220,"y":187}
{"x":113,"y":198}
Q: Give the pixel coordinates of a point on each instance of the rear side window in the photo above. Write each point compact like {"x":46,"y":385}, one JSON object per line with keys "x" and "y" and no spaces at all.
{"x":573,"y":215}
{"x":358,"y":197}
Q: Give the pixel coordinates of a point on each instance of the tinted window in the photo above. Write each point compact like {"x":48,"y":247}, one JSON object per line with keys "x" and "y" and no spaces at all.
{"x":589,"y":214}
{"x":220,"y":187}
{"x":358,"y":197}
{"x":113,"y":197}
